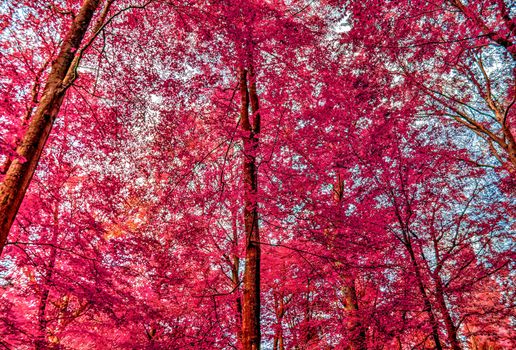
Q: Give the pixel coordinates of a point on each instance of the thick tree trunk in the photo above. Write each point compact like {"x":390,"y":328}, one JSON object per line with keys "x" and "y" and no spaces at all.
{"x":21,"y":170}
{"x":251,"y":335}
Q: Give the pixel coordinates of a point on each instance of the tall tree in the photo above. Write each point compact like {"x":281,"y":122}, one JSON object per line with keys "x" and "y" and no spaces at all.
{"x":250,"y":121}
{"x":63,"y":72}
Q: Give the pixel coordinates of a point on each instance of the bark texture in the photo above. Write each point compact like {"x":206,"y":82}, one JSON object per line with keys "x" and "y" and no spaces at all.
{"x":250,"y":125}
{"x":279,"y":308}
{"x":21,"y":170}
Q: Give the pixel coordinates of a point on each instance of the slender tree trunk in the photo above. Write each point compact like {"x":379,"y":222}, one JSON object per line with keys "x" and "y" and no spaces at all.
{"x":451,"y":330}
{"x":238,"y":305}
{"x":354,"y":325}
{"x":310,"y":333}
{"x":357,"y":331}
{"x":21,"y":170}
{"x":279,"y":306}
{"x":41,"y":342}
{"x":251,"y":335}
{"x":450,"y":327}
{"x":426,"y":299}
{"x":235,"y":263}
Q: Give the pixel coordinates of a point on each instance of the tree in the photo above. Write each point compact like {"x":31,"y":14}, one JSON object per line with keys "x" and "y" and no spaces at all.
{"x":19,"y":172}
{"x":460,"y":57}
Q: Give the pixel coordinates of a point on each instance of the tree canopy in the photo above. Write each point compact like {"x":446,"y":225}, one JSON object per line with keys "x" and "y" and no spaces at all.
{"x":259,"y":174}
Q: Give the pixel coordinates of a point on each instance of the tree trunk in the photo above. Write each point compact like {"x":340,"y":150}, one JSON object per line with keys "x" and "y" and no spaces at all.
{"x":426,"y":299}
{"x":21,"y":170}
{"x":235,"y":278}
{"x":251,"y":336}
{"x":355,"y":328}
{"x":310,"y":333}
{"x":279,"y":309}
{"x":354,"y":325}
{"x":450,"y":327}
{"x":41,"y":341}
